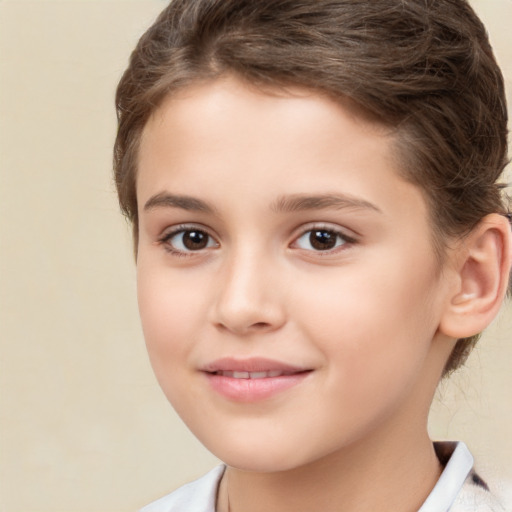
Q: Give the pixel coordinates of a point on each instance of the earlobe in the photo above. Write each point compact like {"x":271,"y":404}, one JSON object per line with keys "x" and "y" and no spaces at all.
{"x":482,"y":273}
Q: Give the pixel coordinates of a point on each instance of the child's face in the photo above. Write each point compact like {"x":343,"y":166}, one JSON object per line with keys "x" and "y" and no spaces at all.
{"x":276,"y":235}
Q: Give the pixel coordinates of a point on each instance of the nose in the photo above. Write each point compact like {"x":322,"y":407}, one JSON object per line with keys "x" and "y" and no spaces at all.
{"x":249,"y":296}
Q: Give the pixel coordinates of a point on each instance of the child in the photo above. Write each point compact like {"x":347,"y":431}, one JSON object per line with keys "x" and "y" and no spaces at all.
{"x":320,"y":238}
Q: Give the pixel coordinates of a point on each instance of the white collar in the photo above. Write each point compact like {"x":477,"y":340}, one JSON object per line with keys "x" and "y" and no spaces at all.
{"x":200,"y":495}
{"x":197,"y":496}
{"x":449,"y":485}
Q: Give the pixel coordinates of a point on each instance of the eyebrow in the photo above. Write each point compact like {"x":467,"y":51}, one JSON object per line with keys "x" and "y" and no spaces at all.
{"x":302,"y":202}
{"x":283,"y":204}
{"x":166,"y":200}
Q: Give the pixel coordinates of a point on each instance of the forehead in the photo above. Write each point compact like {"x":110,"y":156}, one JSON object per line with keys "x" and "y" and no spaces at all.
{"x":234,"y":142}
{"x":229,"y":119}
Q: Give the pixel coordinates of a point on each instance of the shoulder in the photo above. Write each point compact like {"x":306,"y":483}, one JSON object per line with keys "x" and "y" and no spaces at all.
{"x":483,"y":496}
{"x":197,"y":496}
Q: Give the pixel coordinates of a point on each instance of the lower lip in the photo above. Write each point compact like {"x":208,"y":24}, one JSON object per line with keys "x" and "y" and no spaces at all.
{"x":253,"y":390}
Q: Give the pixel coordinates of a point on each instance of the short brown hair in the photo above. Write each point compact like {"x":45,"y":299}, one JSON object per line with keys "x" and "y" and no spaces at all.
{"x":423,"y":67}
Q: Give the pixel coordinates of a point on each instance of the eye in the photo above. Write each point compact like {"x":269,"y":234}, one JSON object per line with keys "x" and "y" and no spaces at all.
{"x":321,"y":239}
{"x":186,"y":240}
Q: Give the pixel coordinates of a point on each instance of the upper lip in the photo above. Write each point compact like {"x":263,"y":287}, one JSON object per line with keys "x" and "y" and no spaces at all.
{"x":253,"y":364}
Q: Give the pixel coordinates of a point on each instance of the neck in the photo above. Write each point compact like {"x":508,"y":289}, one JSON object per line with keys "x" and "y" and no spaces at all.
{"x":374,"y":475}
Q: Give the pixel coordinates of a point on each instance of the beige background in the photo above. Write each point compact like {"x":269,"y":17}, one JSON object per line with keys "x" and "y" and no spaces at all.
{"x":83,"y":426}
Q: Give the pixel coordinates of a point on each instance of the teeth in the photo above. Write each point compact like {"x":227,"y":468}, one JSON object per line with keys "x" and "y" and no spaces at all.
{"x":258,"y":375}
{"x":241,"y":375}
{"x":250,"y":375}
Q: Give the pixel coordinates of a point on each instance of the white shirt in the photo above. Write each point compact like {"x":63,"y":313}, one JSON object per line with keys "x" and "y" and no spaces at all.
{"x":458,"y":489}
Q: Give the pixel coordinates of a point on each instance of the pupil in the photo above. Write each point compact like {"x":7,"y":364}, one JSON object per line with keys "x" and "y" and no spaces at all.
{"x":195,"y":240}
{"x":322,"y":240}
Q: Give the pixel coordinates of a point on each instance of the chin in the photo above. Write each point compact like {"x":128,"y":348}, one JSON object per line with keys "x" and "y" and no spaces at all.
{"x":262,"y":455}
{"x":259,"y":463}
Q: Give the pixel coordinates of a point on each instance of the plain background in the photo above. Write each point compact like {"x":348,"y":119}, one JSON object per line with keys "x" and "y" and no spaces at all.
{"x":83,"y":425}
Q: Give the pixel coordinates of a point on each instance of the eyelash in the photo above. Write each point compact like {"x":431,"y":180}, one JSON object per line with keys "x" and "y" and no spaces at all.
{"x":346,"y":240}
{"x":165,"y":240}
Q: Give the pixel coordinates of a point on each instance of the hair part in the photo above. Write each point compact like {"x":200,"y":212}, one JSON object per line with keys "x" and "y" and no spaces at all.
{"x":424,"y":68}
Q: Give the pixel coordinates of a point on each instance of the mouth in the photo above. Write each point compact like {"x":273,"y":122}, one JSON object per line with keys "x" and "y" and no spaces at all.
{"x":252,"y":375}
{"x":244,"y":368}
{"x":252,"y":380}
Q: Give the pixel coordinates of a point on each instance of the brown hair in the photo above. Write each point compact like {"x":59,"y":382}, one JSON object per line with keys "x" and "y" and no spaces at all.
{"x":423,"y":67}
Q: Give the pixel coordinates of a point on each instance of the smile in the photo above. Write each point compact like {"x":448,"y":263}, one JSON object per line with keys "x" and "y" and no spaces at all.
{"x":252,"y":380}
{"x":252,"y":375}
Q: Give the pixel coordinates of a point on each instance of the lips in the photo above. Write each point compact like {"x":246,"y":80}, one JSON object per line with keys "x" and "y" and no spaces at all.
{"x":250,"y":375}
{"x":251,"y":365}
{"x":252,"y":380}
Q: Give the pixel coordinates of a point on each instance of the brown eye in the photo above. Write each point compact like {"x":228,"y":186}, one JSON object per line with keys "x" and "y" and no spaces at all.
{"x":195,"y":240}
{"x":187,"y":240}
{"x":322,"y":240}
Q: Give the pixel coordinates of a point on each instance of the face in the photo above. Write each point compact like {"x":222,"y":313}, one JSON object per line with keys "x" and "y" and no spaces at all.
{"x":287,"y":284}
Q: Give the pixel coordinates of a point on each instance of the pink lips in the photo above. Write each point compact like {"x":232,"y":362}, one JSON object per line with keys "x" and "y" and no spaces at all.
{"x":251,"y":380}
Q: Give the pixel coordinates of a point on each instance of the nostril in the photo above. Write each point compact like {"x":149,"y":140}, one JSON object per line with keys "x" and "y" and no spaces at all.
{"x":260,"y":325}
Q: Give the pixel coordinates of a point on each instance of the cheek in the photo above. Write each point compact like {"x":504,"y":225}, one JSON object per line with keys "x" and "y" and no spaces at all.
{"x":374,"y":325}
{"x":169,"y":314}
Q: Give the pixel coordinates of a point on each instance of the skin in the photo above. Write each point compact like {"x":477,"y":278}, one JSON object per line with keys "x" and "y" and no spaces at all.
{"x":364,"y":317}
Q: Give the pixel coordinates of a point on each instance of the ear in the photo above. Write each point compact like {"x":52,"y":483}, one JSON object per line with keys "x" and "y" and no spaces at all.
{"x":482,"y":268}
